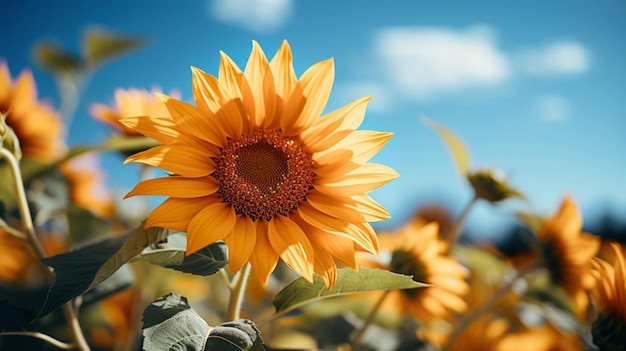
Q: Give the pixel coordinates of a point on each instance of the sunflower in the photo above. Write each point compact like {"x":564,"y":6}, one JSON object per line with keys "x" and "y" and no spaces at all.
{"x":87,"y":187}
{"x":540,"y":338}
{"x":129,"y":103}
{"x":37,"y":126}
{"x":567,"y":253}
{"x":254,"y":163}
{"x":609,"y":329}
{"x":416,"y":250}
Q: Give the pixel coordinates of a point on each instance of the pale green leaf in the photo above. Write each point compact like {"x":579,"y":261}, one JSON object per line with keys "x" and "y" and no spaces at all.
{"x":458,"y":150}
{"x":300,"y":291}
{"x":99,"y":46}
{"x":169,"y":323}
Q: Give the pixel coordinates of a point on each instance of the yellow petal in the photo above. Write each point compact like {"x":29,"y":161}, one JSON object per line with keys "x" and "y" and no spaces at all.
{"x":334,"y":126}
{"x":263,"y":259}
{"x":335,"y":206}
{"x":233,"y":80}
{"x":361,"y":234}
{"x":259,"y":76}
{"x":176,"y":186}
{"x":178,"y":159}
{"x":284,"y":74}
{"x":325,"y":266}
{"x":163,"y":130}
{"x":213,"y":100}
{"x":364,"y":144}
{"x":176,"y":213}
{"x":360,"y":181}
{"x":293,"y":246}
{"x":339,"y":247}
{"x":371,"y":210}
{"x":211,"y":224}
{"x":240,"y":242}
{"x":195,"y":123}
{"x":309,"y":97}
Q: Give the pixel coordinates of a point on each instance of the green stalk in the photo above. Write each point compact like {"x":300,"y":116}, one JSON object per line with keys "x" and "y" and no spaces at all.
{"x":237,"y":289}
{"x":29,"y":229}
{"x":358,"y":338}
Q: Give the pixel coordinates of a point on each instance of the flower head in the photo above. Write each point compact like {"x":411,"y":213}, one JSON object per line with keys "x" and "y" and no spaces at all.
{"x":609,"y":329}
{"x":37,"y":126}
{"x":416,"y":250}
{"x":254,"y":163}
{"x":567,"y":252}
{"x":129,"y":103}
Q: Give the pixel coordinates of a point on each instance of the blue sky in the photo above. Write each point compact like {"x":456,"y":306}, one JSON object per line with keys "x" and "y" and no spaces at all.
{"x":534,"y":88}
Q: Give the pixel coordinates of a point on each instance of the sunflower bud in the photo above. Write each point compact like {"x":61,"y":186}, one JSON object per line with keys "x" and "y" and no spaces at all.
{"x":8,"y":138}
{"x":490,"y":185}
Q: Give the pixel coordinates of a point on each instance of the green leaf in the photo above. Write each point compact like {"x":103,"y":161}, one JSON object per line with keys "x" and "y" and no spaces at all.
{"x":169,"y":323}
{"x":99,"y":46}
{"x":301,"y":291}
{"x":84,"y":225}
{"x":55,"y":59}
{"x":171,"y":255}
{"x":84,"y":268}
{"x":129,"y":144}
{"x":239,"y":335}
{"x":458,"y":150}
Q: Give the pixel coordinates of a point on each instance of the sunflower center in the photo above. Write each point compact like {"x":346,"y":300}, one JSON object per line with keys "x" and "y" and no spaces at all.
{"x":264,"y":174}
{"x":403,"y":262}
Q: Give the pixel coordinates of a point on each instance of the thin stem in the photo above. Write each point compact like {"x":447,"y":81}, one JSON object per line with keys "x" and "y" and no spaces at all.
{"x":473,"y":315}
{"x":238,"y":287}
{"x":358,"y":338}
{"x":47,"y":338}
{"x":29,"y":228}
{"x":458,"y":225}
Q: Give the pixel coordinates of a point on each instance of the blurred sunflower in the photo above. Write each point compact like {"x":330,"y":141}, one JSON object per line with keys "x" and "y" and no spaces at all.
{"x":129,"y":103}
{"x":540,"y":338}
{"x":484,"y":334}
{"x":609,"y":329}
{"x":415,"y":249}
{"x":38,"y":127}
{"x":567,"y":252}
{"x":87,"y":188}
{"x":255,"y":164}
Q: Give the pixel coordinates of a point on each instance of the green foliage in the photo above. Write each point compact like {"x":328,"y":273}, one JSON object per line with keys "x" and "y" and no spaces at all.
{"x":55,"y":59}
{"x":169,"y":323}
{"x":239,"y":335}
{"x":489,"y":186}
{"x":301,"y":291}
{"x":99,"y":46}
{"x":171,"y":255}
{"x":84,"y":268}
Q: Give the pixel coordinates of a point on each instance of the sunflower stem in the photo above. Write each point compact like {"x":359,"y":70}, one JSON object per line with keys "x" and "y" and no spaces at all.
{"x":358,"y":337}
{"x":237,"y":289}
{"x":458,"y":225}
{"x":29,"y":229}
{"x":488,"y":305}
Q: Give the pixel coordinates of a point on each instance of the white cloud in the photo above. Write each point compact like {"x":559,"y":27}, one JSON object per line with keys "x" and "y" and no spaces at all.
{"x":260,"y":16}
{"x":427,"y":61}
{"x":552,"y":108}
{"x":565,"y":57}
